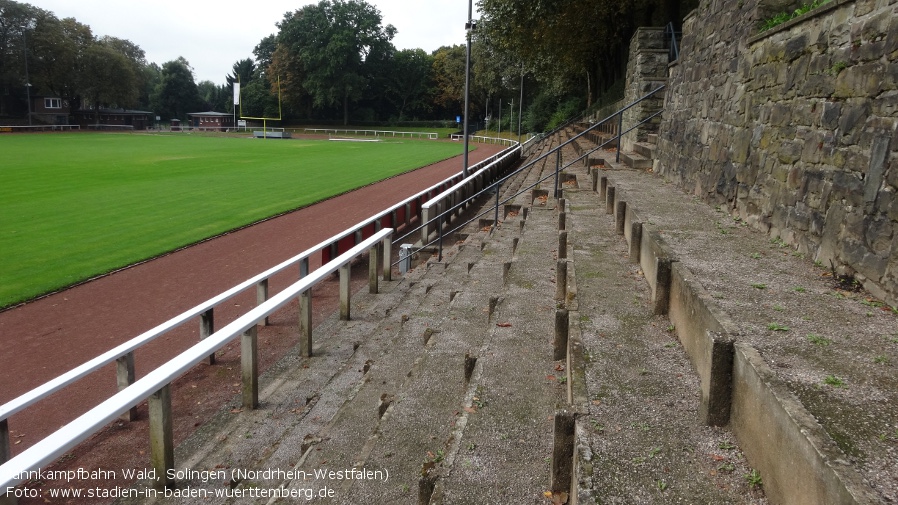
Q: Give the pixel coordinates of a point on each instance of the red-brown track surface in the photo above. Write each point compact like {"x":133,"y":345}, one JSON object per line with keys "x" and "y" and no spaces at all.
{"x":44,"y":338}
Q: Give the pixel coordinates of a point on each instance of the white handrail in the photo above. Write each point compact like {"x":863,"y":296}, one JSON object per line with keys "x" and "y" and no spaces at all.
{"x":15,"y":405}
{"x":445,"y":194}
{"x":70,"y":435}
{"x":429,"y":135}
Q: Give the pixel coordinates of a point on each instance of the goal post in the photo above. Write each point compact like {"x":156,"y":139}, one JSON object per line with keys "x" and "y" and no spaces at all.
{"x":237,"y":96}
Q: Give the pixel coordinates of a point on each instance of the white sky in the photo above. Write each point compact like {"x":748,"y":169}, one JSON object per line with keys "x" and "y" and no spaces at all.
{"x":213,"y":35}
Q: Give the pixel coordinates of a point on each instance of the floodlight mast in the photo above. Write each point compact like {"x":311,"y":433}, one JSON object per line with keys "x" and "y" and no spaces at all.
{"x":469,"y":27}
{"x":27,"y":80}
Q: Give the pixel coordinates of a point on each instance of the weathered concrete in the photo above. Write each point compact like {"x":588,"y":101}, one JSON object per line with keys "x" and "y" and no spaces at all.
{"x":786,"y":441}
{"x":708,"y":336}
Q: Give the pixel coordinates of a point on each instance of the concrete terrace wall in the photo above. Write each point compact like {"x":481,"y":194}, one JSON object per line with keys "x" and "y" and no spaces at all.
{"x":794,"y":130}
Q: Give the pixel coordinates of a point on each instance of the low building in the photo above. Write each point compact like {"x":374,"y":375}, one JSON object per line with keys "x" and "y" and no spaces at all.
{"x":113,"y":118}
{"x":211,"y":120}
{"x":49,"y":110}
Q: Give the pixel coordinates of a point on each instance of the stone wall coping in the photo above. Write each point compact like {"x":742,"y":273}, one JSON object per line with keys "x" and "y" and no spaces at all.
{"x":829,"y":6}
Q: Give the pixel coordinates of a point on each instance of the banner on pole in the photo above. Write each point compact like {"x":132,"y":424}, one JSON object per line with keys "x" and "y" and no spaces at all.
{"x":237,"y":93}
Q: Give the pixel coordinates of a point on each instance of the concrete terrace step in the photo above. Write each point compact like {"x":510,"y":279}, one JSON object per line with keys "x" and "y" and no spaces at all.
{"x":505,"y":446}
{"x":634,"y":160}
{"x":645,"y":150}
{"x":640,"y":437}
{"x":385,"y":391}
{"x":301,"y":397}
{"x":811,"y":384}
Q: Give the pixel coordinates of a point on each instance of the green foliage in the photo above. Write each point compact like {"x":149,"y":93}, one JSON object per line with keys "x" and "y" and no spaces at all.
{"x":834,"y":381}
{"x":754,"y":478}
{"x":818,"y":340}
{"x":548,"y":111}
{"x":176,"y":95}
{"x":784,"y":17}
{"x":327,"y":52}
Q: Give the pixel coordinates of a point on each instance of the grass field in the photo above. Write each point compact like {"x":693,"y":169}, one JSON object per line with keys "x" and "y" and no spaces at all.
{"x":73,"y":206}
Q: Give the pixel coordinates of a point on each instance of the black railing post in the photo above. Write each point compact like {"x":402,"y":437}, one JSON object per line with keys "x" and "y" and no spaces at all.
{"x":440,"y":225}
{"x":620,"y":129}
{"x":496,"y":221}
{"x":557,"y":169}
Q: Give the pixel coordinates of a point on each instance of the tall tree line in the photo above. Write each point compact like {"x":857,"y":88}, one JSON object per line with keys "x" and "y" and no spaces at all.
{"x":335,"y":61}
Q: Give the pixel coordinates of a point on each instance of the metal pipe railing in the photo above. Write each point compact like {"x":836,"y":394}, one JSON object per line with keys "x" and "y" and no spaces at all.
{"x":155,"y":386}
{"x":498,"y":184}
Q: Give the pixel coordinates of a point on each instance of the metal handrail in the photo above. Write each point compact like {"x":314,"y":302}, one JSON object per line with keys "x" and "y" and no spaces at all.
{"x":67,"y":437}
{"x":670,"y":36}
{"x":496,"y":186}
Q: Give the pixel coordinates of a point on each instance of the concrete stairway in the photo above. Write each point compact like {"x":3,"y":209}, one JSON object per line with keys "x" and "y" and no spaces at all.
{"x":432,"y":384}
{"x":643,"y":154}
{"x":445,"y":387}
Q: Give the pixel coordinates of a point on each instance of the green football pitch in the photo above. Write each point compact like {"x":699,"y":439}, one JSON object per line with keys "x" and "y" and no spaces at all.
{"x":73,"y":206}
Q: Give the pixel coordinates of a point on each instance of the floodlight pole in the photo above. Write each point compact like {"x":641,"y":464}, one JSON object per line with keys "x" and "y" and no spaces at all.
{"x":27,"y":79}
{"x":469,"y":27}
{"x":521,"y":106}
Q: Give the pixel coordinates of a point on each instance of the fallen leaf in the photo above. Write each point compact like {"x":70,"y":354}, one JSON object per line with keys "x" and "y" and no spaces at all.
{"x":559,"y":498}
{"x":503,"y":325}
{"x":236,"y":411}
{"x":550,"y":377}
{"x":559,"y":367}
{"x":471,"y":410}
{"x":716,"y":457}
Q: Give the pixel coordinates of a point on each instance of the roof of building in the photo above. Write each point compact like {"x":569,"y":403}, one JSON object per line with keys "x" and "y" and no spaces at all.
{"x":112,"y":111}
{"x":210,"y":113}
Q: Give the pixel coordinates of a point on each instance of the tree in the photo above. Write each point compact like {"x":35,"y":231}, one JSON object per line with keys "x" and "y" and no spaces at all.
{"x":577,"y":43}
{"x":107,"y":78}
{"x":17,"y":21}
{"x":176,"y":94}
{"x":323,"y":51}
{"x":408,"y":82}
{"x":449,"y":79}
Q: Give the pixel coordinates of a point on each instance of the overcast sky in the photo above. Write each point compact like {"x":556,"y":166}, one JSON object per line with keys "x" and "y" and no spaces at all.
{"x":212,"y":35}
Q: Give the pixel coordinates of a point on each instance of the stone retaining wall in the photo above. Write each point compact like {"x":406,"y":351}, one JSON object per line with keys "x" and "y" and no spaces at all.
{"x":646,"y":71}
{"x":794,"y":130}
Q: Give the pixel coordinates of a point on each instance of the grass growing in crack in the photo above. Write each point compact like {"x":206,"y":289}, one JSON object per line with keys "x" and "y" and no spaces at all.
{"x":799,"y":289}
{"x":759,"y":285}
{"x":818,"y":340}
{"x":777,"y":327}
{"x":755,"y":256}
{"x":881,"y":359}
{"x":662,"y":486}
{"x":726,"y":446}
{"x":754,"y":478}
{"x":836,"y":382}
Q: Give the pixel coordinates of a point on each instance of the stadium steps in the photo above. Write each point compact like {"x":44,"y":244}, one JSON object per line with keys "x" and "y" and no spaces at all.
{"x":640,"y":439}
{"x":383,"y":389}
